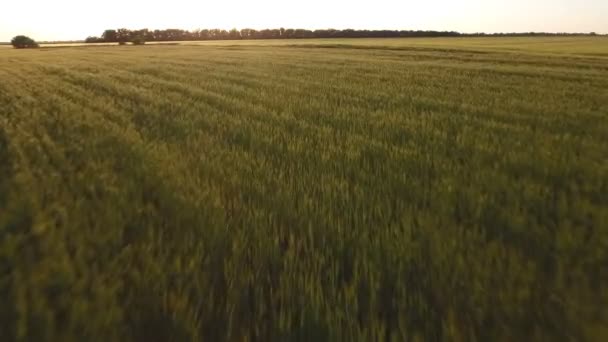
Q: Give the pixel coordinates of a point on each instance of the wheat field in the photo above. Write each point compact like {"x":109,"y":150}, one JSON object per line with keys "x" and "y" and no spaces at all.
{"x":319,"y":190}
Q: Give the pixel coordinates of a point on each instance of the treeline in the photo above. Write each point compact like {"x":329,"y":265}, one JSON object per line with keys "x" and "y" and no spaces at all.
{"x":125,"y":35}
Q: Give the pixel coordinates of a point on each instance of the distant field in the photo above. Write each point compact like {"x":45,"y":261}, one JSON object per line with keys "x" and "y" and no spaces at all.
{"x":593,"y":46}
{"x":568,"y":45}
{"x":388,"y":189}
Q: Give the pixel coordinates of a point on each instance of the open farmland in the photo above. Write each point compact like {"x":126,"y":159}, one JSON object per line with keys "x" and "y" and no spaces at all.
{"x":583,"y":46}
{"x":359,"y":190}
{"x":591,"y":46}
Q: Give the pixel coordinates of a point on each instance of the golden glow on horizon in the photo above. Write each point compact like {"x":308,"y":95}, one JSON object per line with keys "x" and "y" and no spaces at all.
{"x":75,"y":20}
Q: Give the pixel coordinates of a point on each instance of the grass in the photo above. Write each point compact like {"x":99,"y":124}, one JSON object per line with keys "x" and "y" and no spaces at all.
{"x":355,"y":190}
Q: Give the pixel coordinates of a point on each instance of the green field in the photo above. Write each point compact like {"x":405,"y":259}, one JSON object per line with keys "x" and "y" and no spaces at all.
{"x":389,"y":189}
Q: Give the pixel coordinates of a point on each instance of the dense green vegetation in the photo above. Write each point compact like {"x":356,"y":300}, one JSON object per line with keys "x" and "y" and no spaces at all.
{"x":23,"y":42}
{"x":127,"y":35}
{"x":304,"y":192}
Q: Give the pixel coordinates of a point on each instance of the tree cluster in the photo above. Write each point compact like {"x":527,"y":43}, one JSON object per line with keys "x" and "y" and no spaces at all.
{"x":125,"y":35}
{"x":23,"y":42}
{"x":529,"y":34}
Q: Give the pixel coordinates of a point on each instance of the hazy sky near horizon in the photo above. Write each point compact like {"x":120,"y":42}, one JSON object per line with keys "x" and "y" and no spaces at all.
{"x":77,"y":19}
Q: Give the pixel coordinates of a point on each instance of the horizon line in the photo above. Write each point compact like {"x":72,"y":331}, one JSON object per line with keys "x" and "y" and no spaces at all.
{"x":479,"y":33}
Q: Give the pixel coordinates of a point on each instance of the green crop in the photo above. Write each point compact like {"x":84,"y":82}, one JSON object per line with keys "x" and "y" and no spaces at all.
{"x":354,"y":190}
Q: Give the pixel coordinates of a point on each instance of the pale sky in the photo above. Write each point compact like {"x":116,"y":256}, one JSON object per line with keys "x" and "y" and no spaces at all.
{"x":77,"y":19}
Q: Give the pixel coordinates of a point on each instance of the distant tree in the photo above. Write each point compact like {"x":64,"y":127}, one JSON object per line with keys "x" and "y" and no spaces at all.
{"x":275,"y":33}
{"x":288,"y":33}
{"x":143,"y":34}
{"x":247,"y":33}
{"x":265,"y":34}
{"x":23,"y":42}
{"x":175,"y":35}
{"x":123,"y":35}
{"x":93,"y":39}
{"x":302,"y":33}
{"x":109,"y":36}
{"x":139,"y":40}
{"x":234,"y":34}
{"x":149,"y":35}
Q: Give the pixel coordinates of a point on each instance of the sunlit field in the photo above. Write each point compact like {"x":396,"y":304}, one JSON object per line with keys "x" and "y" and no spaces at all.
{"x":597,"y":46}
{"x":321,"y":190}
{"x":591,"y":46}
